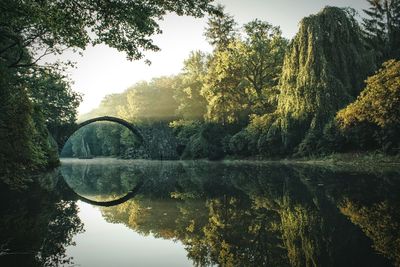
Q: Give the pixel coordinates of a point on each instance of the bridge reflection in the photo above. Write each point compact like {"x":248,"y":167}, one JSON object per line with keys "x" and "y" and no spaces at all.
{"x":110,"y":203}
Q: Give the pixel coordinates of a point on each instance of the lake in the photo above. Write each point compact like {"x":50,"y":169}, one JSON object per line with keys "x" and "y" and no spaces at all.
{"x":109,"y":212}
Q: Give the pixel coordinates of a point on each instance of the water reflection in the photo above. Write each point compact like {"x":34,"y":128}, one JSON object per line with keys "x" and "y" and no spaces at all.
{"x":102,"y":182}
{"x":241,"y":214}
{"x":271,"y":215}
{"x":36,"y":225}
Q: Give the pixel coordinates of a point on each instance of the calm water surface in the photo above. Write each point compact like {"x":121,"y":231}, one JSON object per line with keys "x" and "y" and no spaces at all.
{"x":103,"y":212}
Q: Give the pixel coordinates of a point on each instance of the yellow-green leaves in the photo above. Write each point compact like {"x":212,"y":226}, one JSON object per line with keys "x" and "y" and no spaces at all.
{"x":379,"y":103}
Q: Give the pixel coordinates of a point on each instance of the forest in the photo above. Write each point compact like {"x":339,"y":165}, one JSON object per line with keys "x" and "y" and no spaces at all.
{"x":333,"y":88}
{"x":37,"y":105}
{"x":227,"y":162}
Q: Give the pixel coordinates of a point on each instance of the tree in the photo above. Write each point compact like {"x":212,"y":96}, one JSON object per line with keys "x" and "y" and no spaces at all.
{"x":262,"y":57}
{"x":19,"y":153}
{"x":225,"y":89}
{"x":51,"y":26}
{"x":243,"y":74}
{"x":219,"y":85}
{"x":151,"y":101}
{"x":30,"y":30}
{"x":377,"y":106}
{"x":51,"y":93}
{"x":192,"y":105}
{"x":35,"y":101}
{"x":382,"y":28}
{"x":323,"y":71}
{"x":220,"y":29}
{"x":109,"y":106}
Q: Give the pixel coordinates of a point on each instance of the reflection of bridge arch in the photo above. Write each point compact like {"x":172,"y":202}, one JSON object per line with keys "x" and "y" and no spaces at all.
{"x":122,"y":122}
{"x":110,"y":203}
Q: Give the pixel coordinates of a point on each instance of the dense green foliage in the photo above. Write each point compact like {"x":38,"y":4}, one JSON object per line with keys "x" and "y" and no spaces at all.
{"x":192,"y":105}
{"x":152,"y":101}
{"x":242,"y":76}
{"x":213,"y":97}
{"x":255,"y":95}
{"x":314,"y":86}
{"x":17,"y":132}
{"x":52,"y":26}
{"x":374,"y":118}
{"x":258,"y":95}
{"x":221,"y":29}
{"x":37,"y":106}
{"x":382,"y":28}
{"x":100,"y":139}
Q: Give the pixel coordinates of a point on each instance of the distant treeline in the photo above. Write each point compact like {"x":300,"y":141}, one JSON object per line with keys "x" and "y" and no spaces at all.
{"x":100,"y":139}
{"x":335,"y":87}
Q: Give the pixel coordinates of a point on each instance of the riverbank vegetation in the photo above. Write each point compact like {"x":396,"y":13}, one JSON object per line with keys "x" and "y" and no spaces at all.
{"x":333,"y":88}
{"x":37,"y":105}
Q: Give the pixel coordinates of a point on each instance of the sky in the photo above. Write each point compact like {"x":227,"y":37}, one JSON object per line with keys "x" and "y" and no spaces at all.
{"x":103,"y":70}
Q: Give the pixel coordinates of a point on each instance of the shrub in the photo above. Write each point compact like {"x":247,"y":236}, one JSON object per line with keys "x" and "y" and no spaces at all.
{"x":374,"y":118}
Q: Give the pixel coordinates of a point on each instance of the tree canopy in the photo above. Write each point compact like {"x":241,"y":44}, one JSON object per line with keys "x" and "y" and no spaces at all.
{"x":323,"y":71}
{"x":382,"y":28}
{"x":258,"y":94}
{"x":378,"y":105}
{"x":255,"y":94}
{"x":36,"y":99}
{"x":51,"y":26}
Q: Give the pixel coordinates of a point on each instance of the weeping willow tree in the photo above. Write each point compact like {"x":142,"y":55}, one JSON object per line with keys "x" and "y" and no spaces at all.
{"x":323,"y":71}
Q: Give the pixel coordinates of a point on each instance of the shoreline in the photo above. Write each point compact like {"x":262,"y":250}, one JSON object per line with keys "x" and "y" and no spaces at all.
{"x":360,"y":162}
{"x":346,"y":159}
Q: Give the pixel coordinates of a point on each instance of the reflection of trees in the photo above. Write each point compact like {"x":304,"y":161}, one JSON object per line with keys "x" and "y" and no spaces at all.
{"x":110,"y":178}
{"x":238,"y":235}
{"x":303,"y":222}
{"x":63,"y":225}
{"x":144,"y":216}
{"x":380,"y":222}
{"x":36,"y":226}
{"x":224,"y":214}
{"x":100,"y":179}
{"x":377,"y":212}
{"x":325,"y":237}
{"x":253,"y":215}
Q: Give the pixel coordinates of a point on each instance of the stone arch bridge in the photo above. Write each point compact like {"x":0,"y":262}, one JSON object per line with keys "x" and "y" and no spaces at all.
{"x":135,"y":130}
{"x":156,"y":140}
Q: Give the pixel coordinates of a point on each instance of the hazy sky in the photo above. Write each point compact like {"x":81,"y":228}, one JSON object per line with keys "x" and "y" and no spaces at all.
{"x":102,"y":70}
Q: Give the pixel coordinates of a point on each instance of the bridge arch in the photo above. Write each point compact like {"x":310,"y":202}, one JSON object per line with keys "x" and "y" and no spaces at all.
{"x":128,"y":125}
{"x":120,"y":121}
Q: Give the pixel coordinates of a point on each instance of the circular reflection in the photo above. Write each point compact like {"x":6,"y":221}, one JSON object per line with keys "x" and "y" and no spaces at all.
{"x":101,"y":184}
{"x":115,"y":202}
